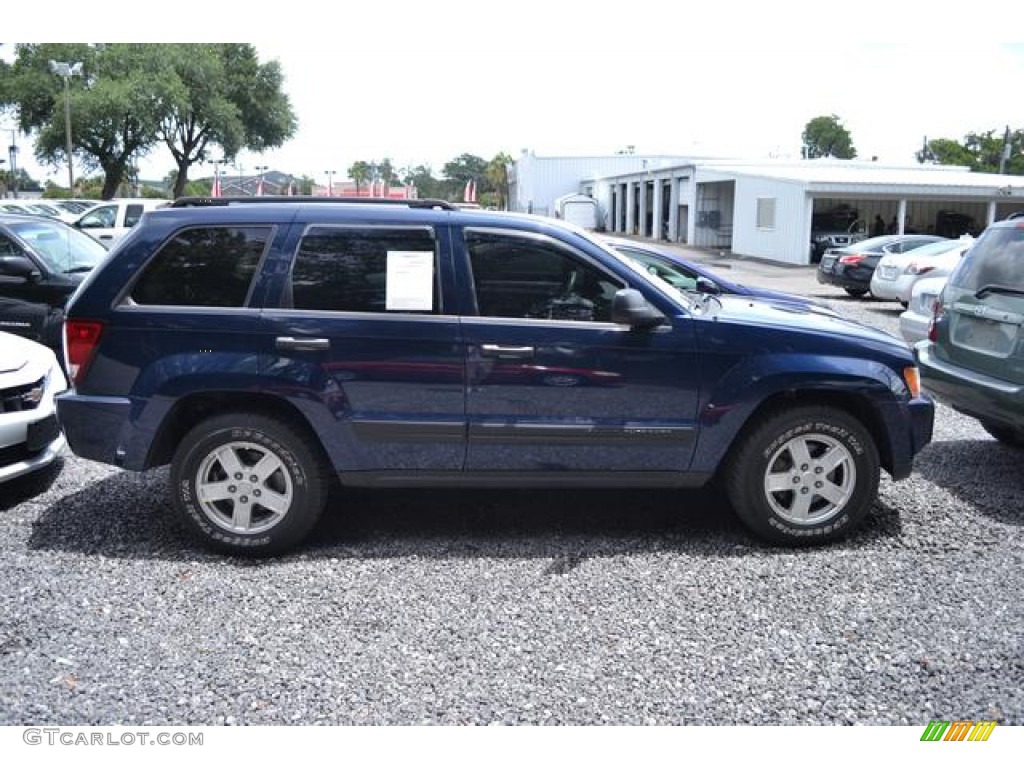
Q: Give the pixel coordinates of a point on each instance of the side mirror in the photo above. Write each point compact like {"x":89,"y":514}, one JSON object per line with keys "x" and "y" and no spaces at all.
{"x":706,"y":285}
{"x":19,"y":266}
{"x":629,"y":307}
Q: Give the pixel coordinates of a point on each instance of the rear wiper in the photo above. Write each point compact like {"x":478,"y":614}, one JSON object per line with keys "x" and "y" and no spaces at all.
{"x":995,"y":288}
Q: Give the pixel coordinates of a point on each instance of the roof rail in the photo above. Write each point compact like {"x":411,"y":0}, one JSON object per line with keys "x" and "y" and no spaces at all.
{"x":203,"y":202}
{"x":1015,"y":215}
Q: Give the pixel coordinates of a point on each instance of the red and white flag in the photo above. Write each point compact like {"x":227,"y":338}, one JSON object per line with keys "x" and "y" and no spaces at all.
{"x":259,"y":187}
{"x":469,"y":193}
{"x":215,"y":190}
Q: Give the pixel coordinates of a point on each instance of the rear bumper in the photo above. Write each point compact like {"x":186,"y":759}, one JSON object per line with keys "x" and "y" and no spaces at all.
{"x":914,"y":327}
{"x":968,"y":391}
{"x":846,"y":279}
{"x":97,"y":428}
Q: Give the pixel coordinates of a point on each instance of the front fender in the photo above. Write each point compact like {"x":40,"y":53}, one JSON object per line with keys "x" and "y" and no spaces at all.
{"x":743,"y":390}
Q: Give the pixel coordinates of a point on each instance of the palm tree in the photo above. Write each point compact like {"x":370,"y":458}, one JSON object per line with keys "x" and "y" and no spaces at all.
{"x":497,"y":175}
{"x":360,"y":172}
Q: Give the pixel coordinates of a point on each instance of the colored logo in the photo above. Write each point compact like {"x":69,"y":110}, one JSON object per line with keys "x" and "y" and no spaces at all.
{"x":958,"y":730}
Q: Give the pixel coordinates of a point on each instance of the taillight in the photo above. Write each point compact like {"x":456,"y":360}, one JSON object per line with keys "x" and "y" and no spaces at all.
{"x":937,"y":312}
{"x":919,"y":269}
{"x":853,"y":258}
{"x":81,"y":337}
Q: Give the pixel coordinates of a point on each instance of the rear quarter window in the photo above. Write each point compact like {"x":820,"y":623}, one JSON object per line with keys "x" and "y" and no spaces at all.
{"x":204,"y":267}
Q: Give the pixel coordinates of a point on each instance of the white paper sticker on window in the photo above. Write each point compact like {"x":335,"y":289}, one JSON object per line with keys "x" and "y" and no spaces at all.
{"x":410,"y":281}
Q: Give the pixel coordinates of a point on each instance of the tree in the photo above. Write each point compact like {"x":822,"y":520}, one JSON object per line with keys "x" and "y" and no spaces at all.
{"x":978,"y":151}
{"x":825,"y":136}
{"x":227,"y":99}
{"x":360,"y":172}
{"x":460,"y":170}
{"x":422,"y":177}
{"x":115,"y":104}
{"x":497,"y":178}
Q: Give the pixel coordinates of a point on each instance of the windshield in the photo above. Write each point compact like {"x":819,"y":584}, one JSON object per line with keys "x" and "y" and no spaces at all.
{"x":997,"y":258}
{"x":62,"y":248}
{"x":654,"y":279}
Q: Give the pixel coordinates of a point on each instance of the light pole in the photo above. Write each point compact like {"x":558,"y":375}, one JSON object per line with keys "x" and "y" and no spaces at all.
{"x":259,"y":184}
{"x":330,"y":183}
{"x":215,"y":191}
{"x":66,"y":70}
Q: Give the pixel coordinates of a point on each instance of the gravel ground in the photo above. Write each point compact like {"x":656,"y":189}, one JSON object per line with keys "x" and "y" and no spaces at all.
{"x":528,"y":607}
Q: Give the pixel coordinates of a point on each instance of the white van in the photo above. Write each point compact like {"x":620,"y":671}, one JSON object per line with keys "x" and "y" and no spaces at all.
{"x":110,"y":221}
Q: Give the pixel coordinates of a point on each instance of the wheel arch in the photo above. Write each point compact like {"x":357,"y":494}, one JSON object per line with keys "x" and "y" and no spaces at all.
{"x":857,"y":406}
{"x":190,"y":410}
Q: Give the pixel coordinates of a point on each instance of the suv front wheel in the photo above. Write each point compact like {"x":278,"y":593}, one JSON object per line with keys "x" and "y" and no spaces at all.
{"x":248,"y":484}
{"x":804,"y":475}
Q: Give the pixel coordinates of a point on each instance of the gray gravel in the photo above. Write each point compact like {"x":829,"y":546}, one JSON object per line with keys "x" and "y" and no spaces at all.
{"x":529,"y":607}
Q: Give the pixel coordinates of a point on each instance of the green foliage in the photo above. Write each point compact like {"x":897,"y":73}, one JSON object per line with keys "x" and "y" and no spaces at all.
{"x":460,"y":170}
{"x":497,"y":178}
{"x":227,"y":99}
{"x":130,"y":97}
{"x":825,"y":136}
{"x":978,"y":151}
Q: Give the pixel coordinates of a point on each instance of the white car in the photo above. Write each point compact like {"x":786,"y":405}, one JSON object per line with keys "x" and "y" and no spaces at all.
{"x":30,"y":436}
{"x":917,"y":318}
{"x":111,"y":220}
{"x":896,"y":273}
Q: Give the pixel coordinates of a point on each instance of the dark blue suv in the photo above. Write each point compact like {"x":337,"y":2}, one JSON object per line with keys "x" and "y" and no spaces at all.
{"x":261,"y":349}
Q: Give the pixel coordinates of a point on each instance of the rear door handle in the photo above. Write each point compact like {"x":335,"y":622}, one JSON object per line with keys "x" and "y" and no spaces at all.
{"x":501,"y":351}
{"x":307,"y":344}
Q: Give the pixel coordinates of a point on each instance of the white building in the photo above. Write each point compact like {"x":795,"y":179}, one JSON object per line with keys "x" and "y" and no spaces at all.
{"x":765,"y":208}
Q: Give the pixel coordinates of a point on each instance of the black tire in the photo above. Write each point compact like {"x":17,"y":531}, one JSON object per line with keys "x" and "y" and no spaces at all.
{"x":1005,"y":433}
{"x":768,"y":448}
{"x":294,"y":480}
{"x":857,"y":293}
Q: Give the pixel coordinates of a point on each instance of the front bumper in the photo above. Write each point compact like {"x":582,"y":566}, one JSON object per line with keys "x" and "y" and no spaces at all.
{"x":31,"y":439}
{"x":975,"y":394}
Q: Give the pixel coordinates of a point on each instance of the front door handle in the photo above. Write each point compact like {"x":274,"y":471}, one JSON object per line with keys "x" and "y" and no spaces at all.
{"x":503,"y":352}
{"x":301,"y":345}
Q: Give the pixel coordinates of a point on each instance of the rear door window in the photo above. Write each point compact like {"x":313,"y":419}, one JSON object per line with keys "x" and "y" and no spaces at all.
{"x":204,"y":267}
{"x":365,"y":269}
{"x":132,"y":214}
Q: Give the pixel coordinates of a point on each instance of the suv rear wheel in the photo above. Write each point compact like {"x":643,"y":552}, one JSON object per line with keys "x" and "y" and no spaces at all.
{"x":803,"y":475}
{"x":245,"y":483}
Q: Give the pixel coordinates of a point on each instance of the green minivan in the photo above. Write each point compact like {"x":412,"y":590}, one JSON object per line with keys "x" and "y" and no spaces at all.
{"x":973,"y":359}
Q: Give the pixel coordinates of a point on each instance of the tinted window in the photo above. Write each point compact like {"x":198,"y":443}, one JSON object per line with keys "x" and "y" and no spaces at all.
{"x":206,"y":267}
{"x":997,"y":258}
{"x":523,"y":277}
{"x":344,"y":269}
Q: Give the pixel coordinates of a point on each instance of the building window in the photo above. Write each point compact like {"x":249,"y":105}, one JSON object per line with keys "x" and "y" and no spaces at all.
{"x":766,"y":213}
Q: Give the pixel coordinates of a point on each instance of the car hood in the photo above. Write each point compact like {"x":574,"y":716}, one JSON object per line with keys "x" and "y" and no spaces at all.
{"x":811,"y":318}
{"x":17,"y":353}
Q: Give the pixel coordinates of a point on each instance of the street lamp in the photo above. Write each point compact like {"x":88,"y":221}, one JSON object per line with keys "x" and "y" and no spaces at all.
{"x":330,"y":183}
{"x":259,"y":184}
{"x":66,"y":70}
{"x":215,"y":191}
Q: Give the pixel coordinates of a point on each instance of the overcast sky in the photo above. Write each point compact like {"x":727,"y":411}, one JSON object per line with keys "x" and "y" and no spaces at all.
{"x":422,"y":82}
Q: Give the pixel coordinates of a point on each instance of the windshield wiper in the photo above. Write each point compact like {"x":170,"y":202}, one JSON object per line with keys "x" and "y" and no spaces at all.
{"x":79,"y":268}
{"x":985,"y":290}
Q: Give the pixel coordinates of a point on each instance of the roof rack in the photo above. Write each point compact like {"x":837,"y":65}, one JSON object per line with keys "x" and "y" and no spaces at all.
{"x":1015,"y":215}
{"x":204,"y":202}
